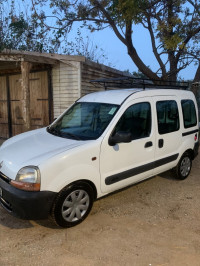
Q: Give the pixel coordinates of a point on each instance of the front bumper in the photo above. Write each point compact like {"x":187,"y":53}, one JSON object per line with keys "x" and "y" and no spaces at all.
{"x":25,"y":204}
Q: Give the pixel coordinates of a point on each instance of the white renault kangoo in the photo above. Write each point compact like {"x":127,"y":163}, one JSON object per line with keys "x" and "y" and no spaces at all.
{"x":104,"y":142}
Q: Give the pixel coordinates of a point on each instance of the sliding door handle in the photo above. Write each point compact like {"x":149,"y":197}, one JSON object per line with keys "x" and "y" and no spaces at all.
{"x":160,"y":143}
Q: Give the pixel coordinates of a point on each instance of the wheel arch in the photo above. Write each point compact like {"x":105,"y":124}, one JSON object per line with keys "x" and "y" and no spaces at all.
{"x":190,"y":152}
{"x":86,"y":181}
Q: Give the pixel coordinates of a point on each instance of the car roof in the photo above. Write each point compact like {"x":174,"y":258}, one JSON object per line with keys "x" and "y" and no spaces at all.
{"x":120,"y":95}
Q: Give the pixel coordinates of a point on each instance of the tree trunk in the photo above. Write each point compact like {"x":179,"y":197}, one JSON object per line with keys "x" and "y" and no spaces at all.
{"x":141,"y":66}
{"x":173,"y":68}
{"x":197,"y":75}
{"x":196,"y":87}
{"x":134,"y":55}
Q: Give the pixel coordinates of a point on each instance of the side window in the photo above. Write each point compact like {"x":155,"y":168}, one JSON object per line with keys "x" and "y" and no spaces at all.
{"x":189,"y":113}
{"x":168,"y":117}
{"x":136,"y":120}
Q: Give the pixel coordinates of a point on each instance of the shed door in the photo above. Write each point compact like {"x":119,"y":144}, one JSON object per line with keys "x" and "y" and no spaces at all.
{"x":39,"y":101}
{"x":16,"y":97}
{"x":3,"y":109}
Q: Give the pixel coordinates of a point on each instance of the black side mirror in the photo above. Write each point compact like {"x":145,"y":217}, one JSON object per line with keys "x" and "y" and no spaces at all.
{"x":120,"y":137}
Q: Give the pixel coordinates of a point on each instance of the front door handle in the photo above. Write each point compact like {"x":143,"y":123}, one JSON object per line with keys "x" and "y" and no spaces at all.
{"x":148,"y":144}
{"x":160,"y":143}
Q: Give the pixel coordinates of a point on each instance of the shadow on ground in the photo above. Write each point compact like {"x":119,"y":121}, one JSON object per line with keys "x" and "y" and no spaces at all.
{"x":12,"y":222}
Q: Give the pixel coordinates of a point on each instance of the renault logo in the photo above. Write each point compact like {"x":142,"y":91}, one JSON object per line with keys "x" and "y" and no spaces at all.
{"x":1,"y":164}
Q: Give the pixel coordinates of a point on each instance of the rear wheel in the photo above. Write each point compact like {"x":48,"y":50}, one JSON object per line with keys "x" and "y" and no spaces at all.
{"x":73,"y":204}
{"x":184,"y":166}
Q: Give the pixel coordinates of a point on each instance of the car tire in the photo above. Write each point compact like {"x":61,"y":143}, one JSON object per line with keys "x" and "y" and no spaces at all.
{"x":184,"y":166}
{"x":73,"y":204}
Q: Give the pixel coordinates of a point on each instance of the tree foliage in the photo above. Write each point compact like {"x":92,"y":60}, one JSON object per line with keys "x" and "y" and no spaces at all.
{"x":22,"y":31}
{"x":173,"y":26}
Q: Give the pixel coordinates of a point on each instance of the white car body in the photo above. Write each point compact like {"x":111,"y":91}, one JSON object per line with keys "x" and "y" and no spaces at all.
{"x":62,"y":161}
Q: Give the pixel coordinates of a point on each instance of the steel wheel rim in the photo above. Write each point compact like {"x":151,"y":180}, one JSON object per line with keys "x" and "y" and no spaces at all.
{"x":185,"y":166}
{"x":75,"y":205}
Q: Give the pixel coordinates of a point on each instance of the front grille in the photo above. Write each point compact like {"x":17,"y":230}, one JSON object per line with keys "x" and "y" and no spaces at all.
{"x":4,"y":177}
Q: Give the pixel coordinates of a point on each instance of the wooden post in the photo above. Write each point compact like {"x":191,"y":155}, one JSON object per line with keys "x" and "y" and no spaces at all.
{"x":25,"y":69}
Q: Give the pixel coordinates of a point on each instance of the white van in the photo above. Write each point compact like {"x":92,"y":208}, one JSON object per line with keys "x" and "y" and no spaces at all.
{"x":104,"y":142}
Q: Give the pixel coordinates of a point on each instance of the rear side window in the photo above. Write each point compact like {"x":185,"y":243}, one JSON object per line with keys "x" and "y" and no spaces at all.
{"x":189,"y":113}
{"x":136,"y":120}
{"x":168,"y":117}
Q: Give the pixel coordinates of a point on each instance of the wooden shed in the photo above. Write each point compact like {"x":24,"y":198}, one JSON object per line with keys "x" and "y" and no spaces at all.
{"x":36,"y":87}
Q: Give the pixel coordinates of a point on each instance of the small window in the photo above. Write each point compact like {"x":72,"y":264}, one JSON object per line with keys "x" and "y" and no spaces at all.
{"x":136,"y":120}
{"x":168,"y":117}
{"x":189,"y":113}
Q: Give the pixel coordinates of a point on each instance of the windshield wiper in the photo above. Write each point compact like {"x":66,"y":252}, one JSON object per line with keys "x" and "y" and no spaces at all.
{"x":57,"y":132}
{"x":54,"y":131}
{"x":67,"y":134}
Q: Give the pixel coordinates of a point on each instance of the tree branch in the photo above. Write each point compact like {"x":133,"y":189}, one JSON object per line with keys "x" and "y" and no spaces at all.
{"x":134,"y":55}
{"x":69,"y":21}
{"x":110,"y":21}
{"x":196,"y":7}
{"x":185,"y":42}
{"x":197,"y":75}
{"x":155,"y":51}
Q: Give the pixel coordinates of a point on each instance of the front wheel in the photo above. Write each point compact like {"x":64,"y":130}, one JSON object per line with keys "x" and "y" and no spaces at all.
{"x":184,"y":166}
{"x":73,"y":204}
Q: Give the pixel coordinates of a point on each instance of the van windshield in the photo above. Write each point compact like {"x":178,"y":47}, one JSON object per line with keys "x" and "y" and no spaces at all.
{"x":84,"y":121}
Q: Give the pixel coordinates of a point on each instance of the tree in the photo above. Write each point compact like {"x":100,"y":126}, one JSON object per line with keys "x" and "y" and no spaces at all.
{"x":22,"y":31}
{"x":173,"y":26}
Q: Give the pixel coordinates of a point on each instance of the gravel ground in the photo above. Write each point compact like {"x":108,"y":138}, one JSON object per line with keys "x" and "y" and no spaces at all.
{"x":152,"y":223}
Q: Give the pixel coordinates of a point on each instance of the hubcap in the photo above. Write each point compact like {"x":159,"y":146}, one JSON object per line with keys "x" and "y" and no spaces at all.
{"x":185,"y":166}
{"x":75,"y":205}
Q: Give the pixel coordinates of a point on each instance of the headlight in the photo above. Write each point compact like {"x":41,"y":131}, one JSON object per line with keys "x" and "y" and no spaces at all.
{"x":28,"y":178}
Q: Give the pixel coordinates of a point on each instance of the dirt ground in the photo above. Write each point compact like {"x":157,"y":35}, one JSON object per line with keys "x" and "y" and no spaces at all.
{"x":156,"y":222}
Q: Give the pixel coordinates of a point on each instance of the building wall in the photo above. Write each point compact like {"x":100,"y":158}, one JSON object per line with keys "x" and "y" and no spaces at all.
{"x":71,"y":80}
{"x":66,"y":86}
{"x":91,"y":71}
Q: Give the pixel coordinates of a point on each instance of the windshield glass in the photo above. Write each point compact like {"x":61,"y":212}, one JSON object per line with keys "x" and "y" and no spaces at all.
{"x":84,"y":121}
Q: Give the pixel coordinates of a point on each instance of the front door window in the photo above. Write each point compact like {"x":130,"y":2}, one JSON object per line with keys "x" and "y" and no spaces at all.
{"x":136,"y":120}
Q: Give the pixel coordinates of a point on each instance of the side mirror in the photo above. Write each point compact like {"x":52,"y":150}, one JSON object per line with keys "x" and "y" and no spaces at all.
{"x":120,"y":137}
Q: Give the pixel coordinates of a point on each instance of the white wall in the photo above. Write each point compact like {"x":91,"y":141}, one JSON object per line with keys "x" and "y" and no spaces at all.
{"x":66,"y":85}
